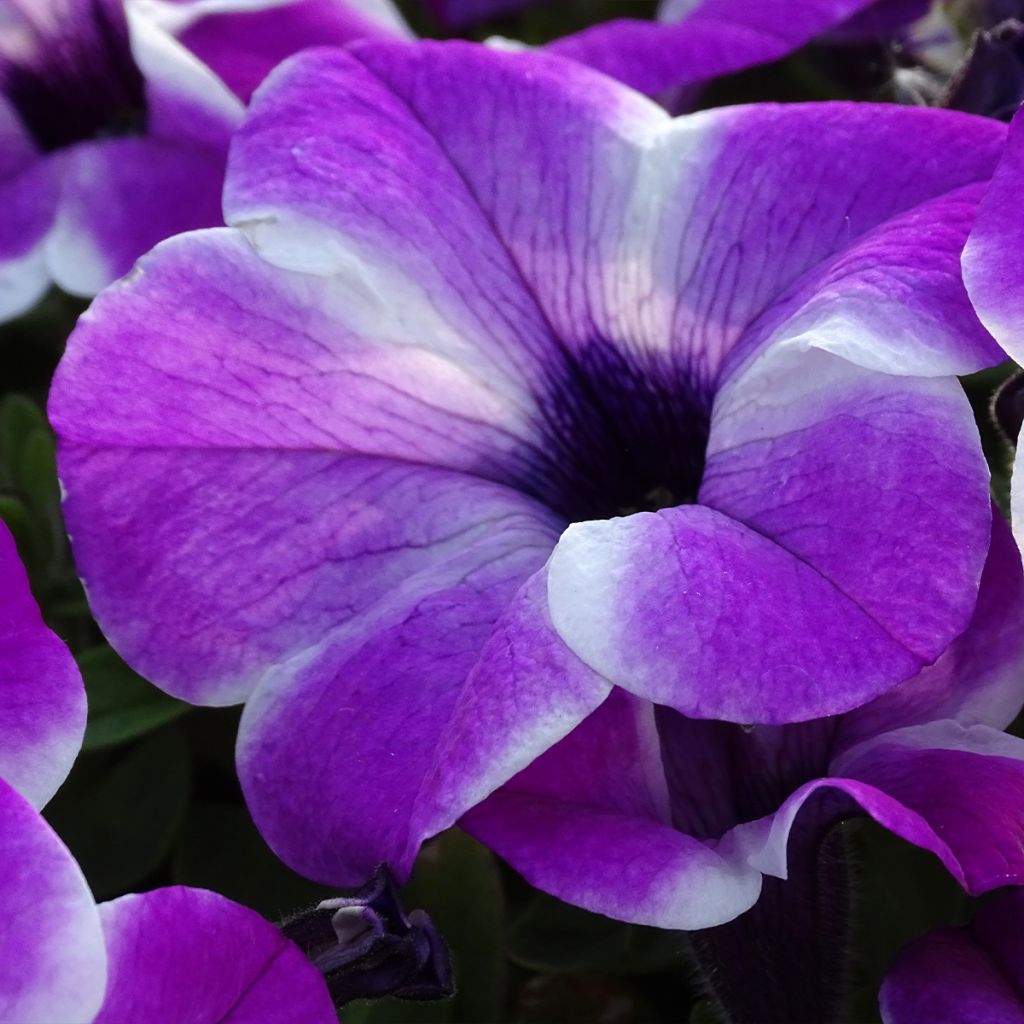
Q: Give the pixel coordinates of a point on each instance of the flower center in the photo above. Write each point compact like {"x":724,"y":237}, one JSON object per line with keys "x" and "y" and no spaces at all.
{"x":73,"y":78}
{"x":720,"y":774}
{"x":624,"y":434}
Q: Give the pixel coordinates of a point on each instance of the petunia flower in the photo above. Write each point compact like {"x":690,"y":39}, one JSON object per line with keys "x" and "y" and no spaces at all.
{"x":166,"y":956}
{"x":962,"y":975}
{"x":171,"y":955}
{"x":113,"y":138}
{"x":505,"y":393}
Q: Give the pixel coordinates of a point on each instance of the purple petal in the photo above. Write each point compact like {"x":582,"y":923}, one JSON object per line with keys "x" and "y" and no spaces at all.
{"x":121,"y":197}
{"x":658,"y":219}
{"x":838,"y":466}
{"x":387,"y":683}
{"x":994,"y":281}
{"x":953,"y":791}
{"x":245,"y":42}
{"x":52,"y":957}
{"x":181,"y":954}
{"x":29,"y":197}
{"x":526,"y":692}
{"x":715,"y":37}
{"x":42,"y":699}
{"x":186,"y":102}
{"x":589,"y":822}
{"x":978,"y":680}
{"x":962,"y":975}
{"x":689,"y":608}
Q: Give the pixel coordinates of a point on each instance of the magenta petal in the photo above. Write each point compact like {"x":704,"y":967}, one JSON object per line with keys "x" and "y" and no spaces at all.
{"x":962,"y":975}
{"x":335,"y":744}
{"x":42,"y":699}
{"x":589,"y":822}
{"x":53,"y":965}
{"x":181,"y":954}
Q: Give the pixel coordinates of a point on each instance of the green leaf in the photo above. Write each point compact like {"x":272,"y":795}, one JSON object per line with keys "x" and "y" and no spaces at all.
{"x":122,"y":705}
{"x":119,"y":811}
{"x":553,"y":936}
{"x":456,"y":882}
{"x":219,"y":848}
{"x":37,"y":471}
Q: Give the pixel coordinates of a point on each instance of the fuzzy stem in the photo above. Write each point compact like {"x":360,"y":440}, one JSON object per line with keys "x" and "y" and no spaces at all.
{"x":785,"y":961}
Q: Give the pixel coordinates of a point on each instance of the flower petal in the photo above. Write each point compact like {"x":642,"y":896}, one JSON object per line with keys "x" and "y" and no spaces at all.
{"x":120,"y":197}
{"x":962,"y":975}
{"x":181,"y":954}
{"x":53,"y":964}
{"x":840,"y":467}
{"x":589,"y":822}
{"x":954,"y":791}
{"x":335,"y":744}
{"x":691,"y":609}
{"x":995,"y":282}
{"x":715,"y":37}
{"x":29,"y":197}
{"x":979,"y":679}
{"x":244,"y":40}
{"x":526,"y":692}
{"x":686,"y":231}
{"x":42,"y":699}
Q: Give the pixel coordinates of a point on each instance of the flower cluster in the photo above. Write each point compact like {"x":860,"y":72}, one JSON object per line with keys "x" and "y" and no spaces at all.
{"x":526,"y":455}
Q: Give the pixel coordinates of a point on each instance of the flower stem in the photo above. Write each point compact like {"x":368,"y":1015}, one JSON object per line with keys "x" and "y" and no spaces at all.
{"x":785,"y":960}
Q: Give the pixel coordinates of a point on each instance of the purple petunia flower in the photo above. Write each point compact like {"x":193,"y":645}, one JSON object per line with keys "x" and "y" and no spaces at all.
{"x":509,"y":401}
{"x":62,"y":958}
{"x":962,"y":975}
{"x":170,"y":955}
{"x":113,"y":138}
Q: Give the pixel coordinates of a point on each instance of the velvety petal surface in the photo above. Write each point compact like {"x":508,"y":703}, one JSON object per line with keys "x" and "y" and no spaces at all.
{"x":979,"y":679}
{"x":954,"y":791}
{"x":994,"y":279}
{"x":244,"y":40}
{"x":526,"y":692}
{"x":672,"y":606}
{"x":962,"y":975}
{"x":697,"y":41}
{"x":42,"y":699}
{"x":655,"y":255}
{"x":29,"y":193}
{"x":53,"y":964}
{"x":120,"y":197}
{"x":232,"y":437}
{"x":189,"y":956}
{"x":589,"y":822}
{"x":335,"y":744}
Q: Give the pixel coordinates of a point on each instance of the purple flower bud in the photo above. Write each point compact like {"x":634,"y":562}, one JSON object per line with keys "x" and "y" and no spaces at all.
{"x":366,"y":946}
{"x":991,"y":80}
